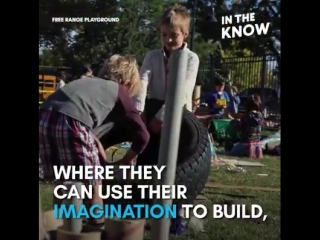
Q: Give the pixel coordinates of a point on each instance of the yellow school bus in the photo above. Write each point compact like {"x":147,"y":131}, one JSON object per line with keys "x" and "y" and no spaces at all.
{"x":48,"y":80}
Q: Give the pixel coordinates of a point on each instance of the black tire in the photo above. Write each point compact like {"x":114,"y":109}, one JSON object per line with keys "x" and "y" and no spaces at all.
{"x":194,"y":156}
{"x":194,"y":172}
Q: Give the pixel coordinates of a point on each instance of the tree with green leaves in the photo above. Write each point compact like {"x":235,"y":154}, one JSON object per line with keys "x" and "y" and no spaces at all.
{"x":73,"y":44}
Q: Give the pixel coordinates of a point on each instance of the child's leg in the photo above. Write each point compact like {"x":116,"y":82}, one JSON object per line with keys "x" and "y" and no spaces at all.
{"x":255,"y":151}
{"x":77,"y":146}
{"x":252,"y":151}
{"x":48,"y":152}
{"x":259,"y":153}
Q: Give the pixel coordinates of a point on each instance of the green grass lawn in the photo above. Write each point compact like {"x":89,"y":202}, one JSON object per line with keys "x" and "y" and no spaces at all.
{"x":269,"y":201}
{"x":224,"y":229}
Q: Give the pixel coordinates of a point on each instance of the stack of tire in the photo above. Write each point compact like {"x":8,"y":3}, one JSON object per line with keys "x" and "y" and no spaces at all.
{"x":194,"y":154}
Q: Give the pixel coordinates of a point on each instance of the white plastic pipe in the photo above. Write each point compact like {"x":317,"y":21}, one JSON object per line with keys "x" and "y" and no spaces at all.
{"x":71,"y":224}
{"x":170,"y":135}
{"x":43,"y":234}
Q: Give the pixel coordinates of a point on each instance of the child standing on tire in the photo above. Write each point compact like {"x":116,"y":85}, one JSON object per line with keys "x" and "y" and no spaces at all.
{"x":250,"y":126}
{"x":174,"y":28}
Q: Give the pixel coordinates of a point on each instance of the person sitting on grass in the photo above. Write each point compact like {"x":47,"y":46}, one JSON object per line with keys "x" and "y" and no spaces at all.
{"x":250,"y":126}
{"x":68,"y":117}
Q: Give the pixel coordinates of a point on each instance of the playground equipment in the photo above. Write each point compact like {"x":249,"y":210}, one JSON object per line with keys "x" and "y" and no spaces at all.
{"x":186,"y":155}
{"x":224,"y":130}
{"x":194,"y":154}
{"x":170,"y":136}
{"x":191,"y":147}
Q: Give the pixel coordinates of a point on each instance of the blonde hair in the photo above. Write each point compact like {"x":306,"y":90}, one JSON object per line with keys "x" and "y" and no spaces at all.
{"x":124,"y":70}
{"x":176,"y":16}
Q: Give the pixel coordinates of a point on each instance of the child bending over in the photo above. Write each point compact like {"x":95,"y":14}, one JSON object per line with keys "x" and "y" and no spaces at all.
{"x":69,"y":115}
{"x":250,"y":126}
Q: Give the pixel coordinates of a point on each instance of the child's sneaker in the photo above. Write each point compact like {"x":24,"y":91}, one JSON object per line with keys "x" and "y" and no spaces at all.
{"x":178,"y":227}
